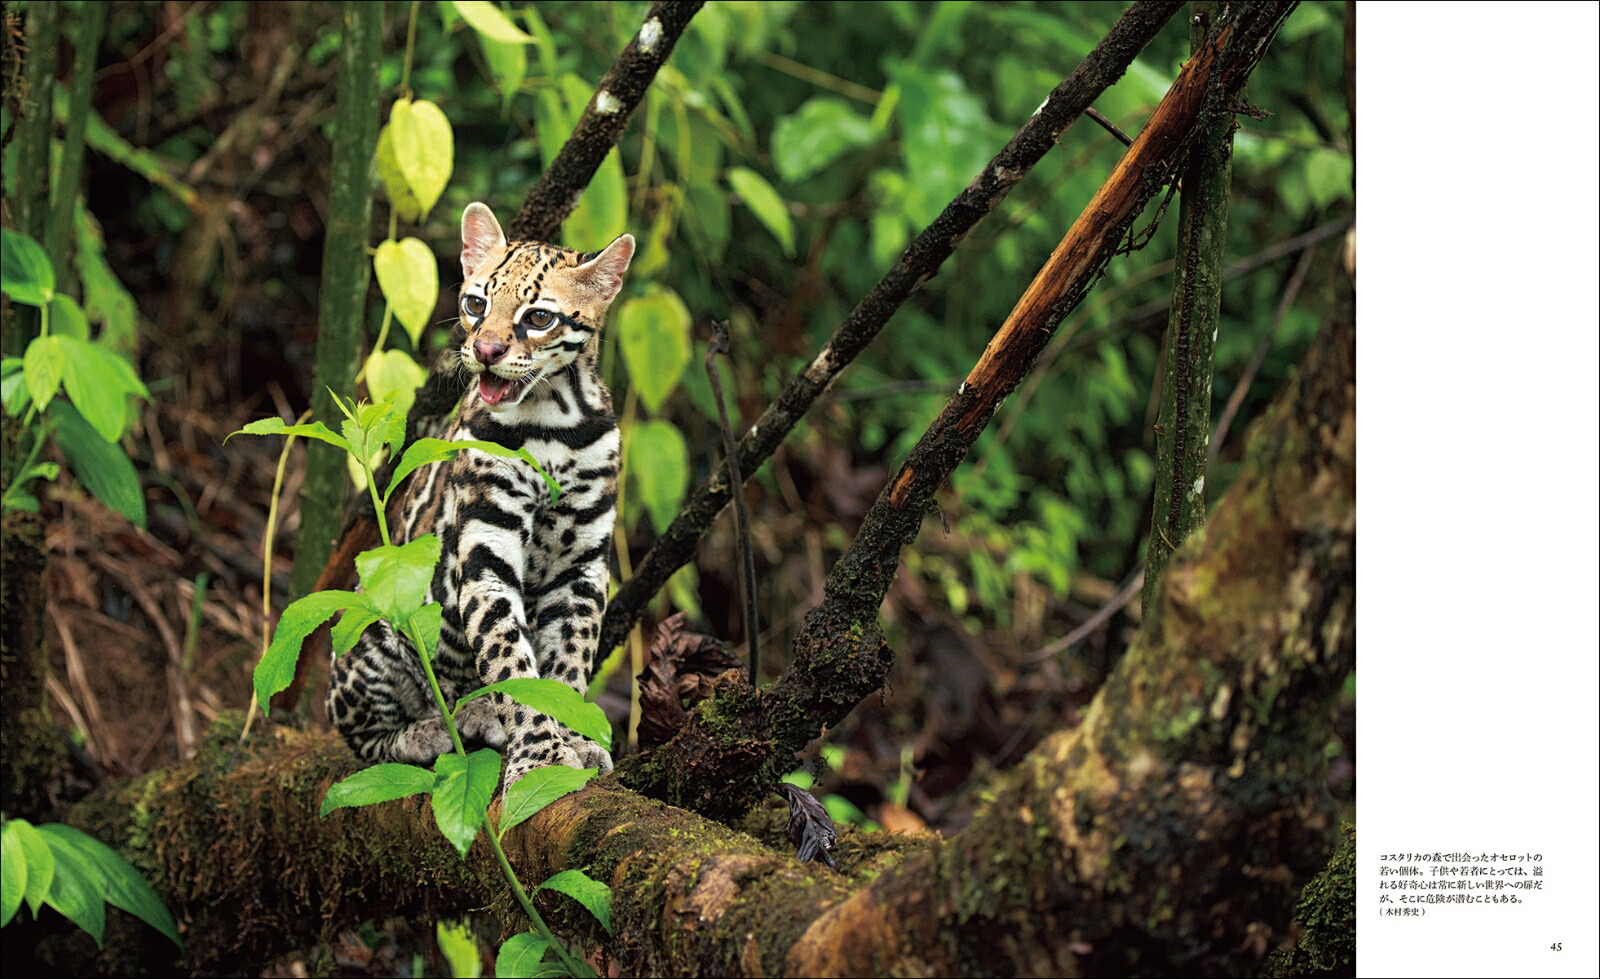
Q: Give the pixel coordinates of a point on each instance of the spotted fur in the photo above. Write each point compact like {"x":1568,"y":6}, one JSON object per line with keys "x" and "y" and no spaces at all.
{"x":522,"y":580}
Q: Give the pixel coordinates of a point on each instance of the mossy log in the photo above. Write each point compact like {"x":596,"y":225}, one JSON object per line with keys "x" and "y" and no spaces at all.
{"x":1169,"y":833}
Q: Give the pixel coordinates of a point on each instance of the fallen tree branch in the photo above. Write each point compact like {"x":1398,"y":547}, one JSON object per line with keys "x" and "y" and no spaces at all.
{"x":918,"y":263}
{"x":741,"y":741}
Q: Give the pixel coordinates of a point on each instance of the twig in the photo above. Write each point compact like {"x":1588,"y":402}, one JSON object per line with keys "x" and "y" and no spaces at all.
{"x":719,"y":345}
{"x":1108,"y":125}
{"x":1242,"y":387}
{"x":102,"y":746}
{"x":918,"y":263}
{"x":1116,"y":603}
{"x":69,"y":707}
{"x":182,"y":710}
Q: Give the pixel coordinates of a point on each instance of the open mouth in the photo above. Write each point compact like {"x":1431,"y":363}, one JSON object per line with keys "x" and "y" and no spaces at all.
{"x":497,"y":390}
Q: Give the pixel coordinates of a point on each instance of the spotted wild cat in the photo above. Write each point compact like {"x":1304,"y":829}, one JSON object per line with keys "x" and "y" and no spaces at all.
{"x":522,"y":580}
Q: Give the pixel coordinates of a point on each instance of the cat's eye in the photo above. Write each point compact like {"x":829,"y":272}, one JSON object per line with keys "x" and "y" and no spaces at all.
{"x":474,"y":305}
{"x":538,"y":319}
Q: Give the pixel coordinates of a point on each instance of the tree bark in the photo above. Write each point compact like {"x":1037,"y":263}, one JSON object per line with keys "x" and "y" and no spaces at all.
{"x":1168,"y":834}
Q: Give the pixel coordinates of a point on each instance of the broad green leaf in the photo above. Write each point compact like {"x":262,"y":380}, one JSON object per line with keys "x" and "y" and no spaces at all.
{"x":765,"y":203}
{"x":41,"y":861}
{"x":553,"y":699}
{"x":653,"y":331}
{"x":99,"y":382}
{"x":277,"y":426}
{"x":424,"y":146}
{"x":395,"y":577}
{"x":19,"y":499}
{"x":43,"y":363}
{"x":409,"y":278}
{"x":520,"y":956}
{"x":538,"y":789}
{"x":77,"y":890}
{"x":14,"y":387}
{"x":657,"y":463}
{"x":461,"y":794}
{"x":25,"y":271}
{"x":460,"y":948}
{"x":383,"y":423}
{"x":380,"y":783}
{"x":393,"y":374}
{"x":945,"y":137}
{"x":102,"y":467}
{"x":426,"y":622}
{"x":67,"y":319}
{"x":298,"y":621}
{"x":105,"y":299}
{"x":489,"y":21}
{"x":589,"y":892}
{"x":401,"y":197}
{"x":508,"y":63}
{"x":418,"y":454}
{"x":349,"y":628}
{"x":816,"y":134}
{"x":13,"y":874}
{"x":125,"y":887}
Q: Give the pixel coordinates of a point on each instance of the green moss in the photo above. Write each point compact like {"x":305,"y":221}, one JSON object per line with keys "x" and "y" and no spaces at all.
{"x":1327,"y":917}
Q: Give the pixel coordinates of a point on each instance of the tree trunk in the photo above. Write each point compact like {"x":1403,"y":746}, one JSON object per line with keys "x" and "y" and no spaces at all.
{"x":1168,"y":834}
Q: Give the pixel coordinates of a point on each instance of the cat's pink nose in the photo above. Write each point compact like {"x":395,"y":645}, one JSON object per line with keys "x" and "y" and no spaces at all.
{"x":489,"y":351}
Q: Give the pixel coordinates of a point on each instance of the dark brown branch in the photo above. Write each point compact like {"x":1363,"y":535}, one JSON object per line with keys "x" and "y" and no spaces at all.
{"x":839,"y":656}
{"x":920,"y":261}
{"x":556,"y":193}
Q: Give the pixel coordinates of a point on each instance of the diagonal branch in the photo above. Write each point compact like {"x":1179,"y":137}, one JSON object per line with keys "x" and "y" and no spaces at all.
{"x":920,"y":261}
{"x":556,"y":193}
{"x":741,"y":740}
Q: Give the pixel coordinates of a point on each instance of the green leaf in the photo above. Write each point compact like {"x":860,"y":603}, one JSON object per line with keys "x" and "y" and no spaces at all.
{"x":99,"y":382}
{"x":13,"y":870}
{"x":25,"y":270}
{"x":395,"y":577}
{"x":277,"y":426}
{"x":43,"y":363}
{"x":520,"y":956}
{"x":77,"y":890}
{"x":426,"y":622}
{"x":298,"y":621}
{"x":489,"y":21}
{"x":589,"y":892}
{"x":653,"y":331}
{"x":945,"y":137}
{"x":66,"y":317}
{"x":41,"y":861}
{"x":102,"y":467}
{"x":508,"y":63}
{"x":409,"y":278}
{"x":765,"y":203}
{"x":460,"y":948}
{"x":602,"y":211}
{"x":401,"y":198}
{"x":461,"y":794}
{"x":420,"y":453}
{"x":393,"y":374}
{"x":553,"y":699}
{"x":424,"y":147}
{"x":14,"y":387}
{"x":105,"y":299}
{"x":538,"y":789}
{"x":816,"y":134}
{"x":124,"y":886}
{"x":656,"y":460}
{"x":350,"y":626}
{"x":380,"y":783}
{"x":382,"y":422}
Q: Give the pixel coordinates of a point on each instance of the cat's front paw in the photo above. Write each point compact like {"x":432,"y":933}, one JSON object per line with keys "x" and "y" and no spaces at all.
{"x":479,"y":723}
{"x":588,"y":754}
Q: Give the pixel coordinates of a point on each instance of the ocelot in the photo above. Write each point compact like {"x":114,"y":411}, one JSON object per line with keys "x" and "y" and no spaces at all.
{"x":522,"y":580}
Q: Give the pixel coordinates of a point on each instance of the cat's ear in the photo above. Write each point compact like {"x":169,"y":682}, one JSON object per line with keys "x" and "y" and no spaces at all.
{"x":480,"y":237}
{"x":603,"y":273}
